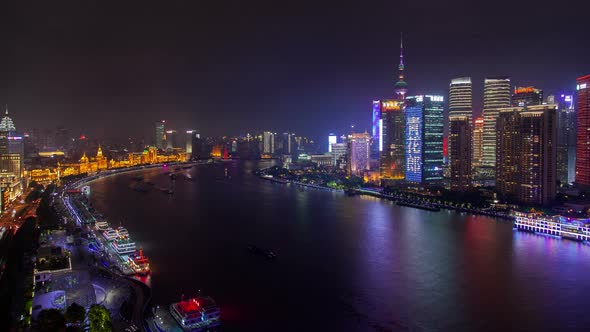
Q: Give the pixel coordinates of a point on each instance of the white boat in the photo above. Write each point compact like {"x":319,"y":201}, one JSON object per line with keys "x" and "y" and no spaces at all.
{"x":123,"y":246}
{"x":110,"y":234}
{"x":573,"y":228}
{"x":102,"y":225}
{"x":196,"y":314}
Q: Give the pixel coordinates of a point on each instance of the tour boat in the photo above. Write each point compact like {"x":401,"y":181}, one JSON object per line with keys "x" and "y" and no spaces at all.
{"x":196,"y":314}
{"x":139,"y":263}
{"x":573,"y":228}
{"x":109,"y":234}
{"x":123,"y":245}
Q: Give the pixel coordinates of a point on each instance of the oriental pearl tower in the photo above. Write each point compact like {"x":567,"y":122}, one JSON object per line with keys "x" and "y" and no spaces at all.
{"x":401,"y":87}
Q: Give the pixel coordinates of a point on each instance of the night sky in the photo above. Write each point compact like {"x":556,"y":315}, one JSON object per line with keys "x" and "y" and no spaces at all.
{"x":227,"y":67}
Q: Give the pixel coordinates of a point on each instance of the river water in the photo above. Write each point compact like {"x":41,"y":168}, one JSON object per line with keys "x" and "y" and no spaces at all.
{"x":344,"y":263}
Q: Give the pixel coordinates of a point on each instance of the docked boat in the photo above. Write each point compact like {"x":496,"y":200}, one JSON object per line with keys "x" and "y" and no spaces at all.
{"x":123,"y":246}
{"x":139,"y":263}
{"x":567,"y":227}
{"x":101,"y":225}
{"x":196,"y":314}
{"x":110,"y":234}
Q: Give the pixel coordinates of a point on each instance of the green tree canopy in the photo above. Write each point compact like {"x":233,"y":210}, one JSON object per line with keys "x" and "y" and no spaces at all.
{"x":75,"y":314}
{"x":100,"y":319}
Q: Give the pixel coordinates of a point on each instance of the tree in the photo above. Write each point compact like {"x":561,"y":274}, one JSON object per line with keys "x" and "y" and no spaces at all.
{"x":51,"y":320}
{"x":75,"y":314}
{"x":100,"y":319}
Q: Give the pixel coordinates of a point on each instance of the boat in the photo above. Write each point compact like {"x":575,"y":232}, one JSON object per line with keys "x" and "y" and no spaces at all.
{"x":567,"y":227}
{"x":196,"y":314}
{"x":123,"y":245}
{"x":122,"y":231}
{"x":109,"y":234}
{"x":262,"y":252}
{"x":101,"y":225}
{"x":139,"y":263}
{"x":419,"y":206}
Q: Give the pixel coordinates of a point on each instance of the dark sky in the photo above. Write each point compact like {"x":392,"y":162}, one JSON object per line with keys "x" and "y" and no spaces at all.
{"x":227,"y":67}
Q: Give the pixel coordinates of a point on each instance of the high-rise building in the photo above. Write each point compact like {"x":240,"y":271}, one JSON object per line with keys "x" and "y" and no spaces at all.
{"x":288,"y":143}
{"x":189,"y":141}
{"x":268,"y":142}
{"x":376,"y":116}
{"x":527,"y":96}
{"x":478,"y":142}
{"x":583,"y":134}
{"x":392,"y":141}
{"x":171,"y":139}
{"x":424,"y":138}
{"x":526,"y":153}
{"x":11,"y":147}
{"x":160,"y":135}
{"x":332,"y":138}
{"x":358,"y":153}
{"x":340,"y":153}
{"x":460,"y":97}
{"x":566,"y":137}
{"x":496,"y":95}
{"x":460,"y":152}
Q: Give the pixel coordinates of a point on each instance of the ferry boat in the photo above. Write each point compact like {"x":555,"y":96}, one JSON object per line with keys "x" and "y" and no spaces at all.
{"x":123,"y":246}
{"x":102,"y":225}
{"x":110,"y":234}
{"x":139,"y":263}
{"x":122,"y":231}
{"x":573,"y":228}
{"x":196,"y":314}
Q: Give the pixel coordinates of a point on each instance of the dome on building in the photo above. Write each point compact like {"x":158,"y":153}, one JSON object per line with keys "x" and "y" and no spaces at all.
{"x":6,"y":124}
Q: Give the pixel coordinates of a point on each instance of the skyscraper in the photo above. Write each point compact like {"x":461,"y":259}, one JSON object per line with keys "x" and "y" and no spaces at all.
{"x":171,"y":139}
{"x":460,"y":152}
{"x":332,"y":138}
{"x":358,"y":153}
{"x":496,"y":95}
{"x":376,"y":117}
{"x":583,"y":134}
{"x":189,"y":141}
{"x":424,"y":138}
{"x":392,"y":141}
{"x":566,"y":138}
{"x":160,"y":135}
{"x":527,"y":96}
{"x":401,"y":87}
{"x":526,"y":153}
{"x":460,"y":97}
{"x":268,"y":142}
{"x":478,"y":142}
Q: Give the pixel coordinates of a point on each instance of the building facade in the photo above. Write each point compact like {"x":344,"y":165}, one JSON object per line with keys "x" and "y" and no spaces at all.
{"x":460,"y":152}
{"x":566,"y":138}
{"x":477,"y":142}
{"x":526,"y":153}
{"x":424,"y":139}
{"x":460,"y":97}
{"x":496,"y":95}
{"x":160,"y":134}
{"x":583,"y":134}
{"x":359,"y":148}
{"x":392,"y":141}
{"x":527,"y":96}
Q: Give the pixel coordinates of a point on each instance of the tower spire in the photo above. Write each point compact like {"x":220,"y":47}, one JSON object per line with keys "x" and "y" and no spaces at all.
{"x":401,"y":87}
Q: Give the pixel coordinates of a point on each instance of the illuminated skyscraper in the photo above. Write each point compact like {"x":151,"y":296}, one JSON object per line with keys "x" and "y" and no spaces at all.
{"x":189,"y":141}
{"x":527,"y":96}
{"x":171,"y":139}
{"x":478,"y":142}
{"x":332,"y":138}
{"x":358,"y":153}
{"x":566,"y":138}
{"x":424,"y":138}
{"x":392,"y":141}
{"x":583,"y":134}
{"x":526,"y":153}
{"x":460,"y":97}
{"x":160,"y":135}
{"x":376,"y":116}
{"x":460,"y":152}
{"x":340,"y":153}
{"x":268,"y":142}
{"x":496,"y":95}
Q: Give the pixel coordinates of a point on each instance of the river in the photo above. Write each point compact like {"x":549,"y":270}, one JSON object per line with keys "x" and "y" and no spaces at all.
{"x":344,"y":263}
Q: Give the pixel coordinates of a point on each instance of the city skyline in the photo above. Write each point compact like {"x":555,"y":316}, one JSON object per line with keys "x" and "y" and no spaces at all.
{"x":250,"y":76}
